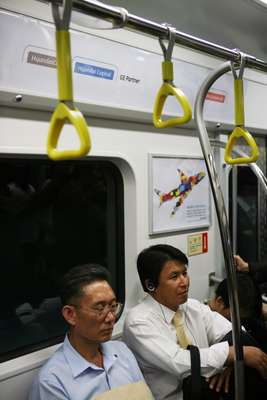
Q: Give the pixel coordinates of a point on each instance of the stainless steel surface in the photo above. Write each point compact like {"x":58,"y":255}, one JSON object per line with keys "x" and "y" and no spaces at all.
{"x":110,"y":13}
{"x":223,"y":224}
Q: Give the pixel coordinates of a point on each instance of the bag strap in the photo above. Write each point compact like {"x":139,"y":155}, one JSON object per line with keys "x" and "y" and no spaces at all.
{"x":196,"y":392}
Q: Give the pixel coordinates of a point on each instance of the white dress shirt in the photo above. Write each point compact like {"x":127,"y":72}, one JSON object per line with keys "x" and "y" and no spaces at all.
{"x":150,"y":334}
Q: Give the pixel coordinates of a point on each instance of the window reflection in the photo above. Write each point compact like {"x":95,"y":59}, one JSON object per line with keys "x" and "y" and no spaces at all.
{"x":247,"y":213}
{"x":53,"y":216}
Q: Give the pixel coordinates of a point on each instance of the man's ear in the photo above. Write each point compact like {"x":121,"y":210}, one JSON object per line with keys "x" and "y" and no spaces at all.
{"x":217,"y":304}
{"x":69,"y":314}
{"x":220,"y":302}
{"x":222,"y":309}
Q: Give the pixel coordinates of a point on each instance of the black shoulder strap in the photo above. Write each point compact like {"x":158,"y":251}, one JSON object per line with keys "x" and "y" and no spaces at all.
{"x":196,"y":392}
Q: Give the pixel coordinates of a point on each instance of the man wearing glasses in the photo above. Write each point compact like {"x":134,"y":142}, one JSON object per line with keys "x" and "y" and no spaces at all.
{"x":88,"y":363}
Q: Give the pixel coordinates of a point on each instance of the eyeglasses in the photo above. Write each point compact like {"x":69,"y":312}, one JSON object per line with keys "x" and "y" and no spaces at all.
{"x":102,"y":310}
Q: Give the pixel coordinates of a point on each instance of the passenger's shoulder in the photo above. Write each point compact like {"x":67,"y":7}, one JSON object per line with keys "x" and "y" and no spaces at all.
{"x":143,"y":311}
{"x":53,"y":366}
{"x":119,"y":348}
{"x":195,"y":304}
{"x":116,"y":345}
{"x":196,"y":307}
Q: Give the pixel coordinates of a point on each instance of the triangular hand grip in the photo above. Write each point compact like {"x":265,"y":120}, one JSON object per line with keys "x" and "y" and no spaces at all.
{"x":61,"y":115}
{"x":239,"y":132}
{"x":166,"y":90}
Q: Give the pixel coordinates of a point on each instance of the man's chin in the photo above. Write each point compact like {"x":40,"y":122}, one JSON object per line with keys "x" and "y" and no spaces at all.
{"x":106,"y":336}
{"x":183,"y":298}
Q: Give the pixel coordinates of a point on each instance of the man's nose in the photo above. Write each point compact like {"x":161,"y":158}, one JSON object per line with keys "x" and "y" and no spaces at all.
{"x":110,"y":317}
{"x":183,"y":280}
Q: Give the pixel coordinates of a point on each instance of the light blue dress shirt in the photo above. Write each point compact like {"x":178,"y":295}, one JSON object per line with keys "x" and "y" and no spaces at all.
{"x":67,"y":375}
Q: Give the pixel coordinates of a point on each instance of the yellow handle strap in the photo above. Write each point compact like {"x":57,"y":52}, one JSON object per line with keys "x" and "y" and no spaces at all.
{"x":63,"y":112}
{"x":61,"y":115}
{"x":168,"y":89}
{"x":240,"y":131}
{"x":167,"y":71}
{"x":239,"y":102}
{"x":64,"y":66}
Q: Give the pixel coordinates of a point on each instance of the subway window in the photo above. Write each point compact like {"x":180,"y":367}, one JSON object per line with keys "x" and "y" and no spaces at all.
{"x":53,"y":216}
{"x":247,"y":237}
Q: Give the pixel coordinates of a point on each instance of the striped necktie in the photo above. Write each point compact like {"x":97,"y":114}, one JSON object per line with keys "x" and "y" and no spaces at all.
{"x":182,"y":339}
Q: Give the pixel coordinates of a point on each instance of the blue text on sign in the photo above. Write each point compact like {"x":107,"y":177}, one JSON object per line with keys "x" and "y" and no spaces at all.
{"x":93,"y":70}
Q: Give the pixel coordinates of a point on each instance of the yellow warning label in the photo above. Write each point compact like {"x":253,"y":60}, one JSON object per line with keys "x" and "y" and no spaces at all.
{"x":194,"y":244}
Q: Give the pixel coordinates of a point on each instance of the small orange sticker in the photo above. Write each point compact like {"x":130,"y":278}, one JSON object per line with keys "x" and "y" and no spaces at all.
{"x":218,"y":97}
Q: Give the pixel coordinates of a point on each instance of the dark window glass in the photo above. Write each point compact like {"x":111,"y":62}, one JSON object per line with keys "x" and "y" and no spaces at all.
{"x":247,"y":213}
{"x":53,"y":216}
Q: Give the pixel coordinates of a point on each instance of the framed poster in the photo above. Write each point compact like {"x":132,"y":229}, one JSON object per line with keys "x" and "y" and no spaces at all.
{"x":179,"y":193}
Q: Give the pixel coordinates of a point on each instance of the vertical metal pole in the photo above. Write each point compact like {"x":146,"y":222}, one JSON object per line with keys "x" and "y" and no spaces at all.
{"x":234,"y":207}
{"x":223,"y":225}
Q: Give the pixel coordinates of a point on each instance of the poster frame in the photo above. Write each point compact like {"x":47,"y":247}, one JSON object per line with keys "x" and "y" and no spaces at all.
{"x":200,"y":225}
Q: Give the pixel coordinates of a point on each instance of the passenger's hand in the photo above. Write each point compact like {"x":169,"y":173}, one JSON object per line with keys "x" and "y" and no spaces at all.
{"x":257,"y":359}
{"x":240,"y":264}
{"x":220,"y":381}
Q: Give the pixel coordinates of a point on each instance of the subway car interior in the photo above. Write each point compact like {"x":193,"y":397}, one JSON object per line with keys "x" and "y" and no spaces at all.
{"x":142,"y":123}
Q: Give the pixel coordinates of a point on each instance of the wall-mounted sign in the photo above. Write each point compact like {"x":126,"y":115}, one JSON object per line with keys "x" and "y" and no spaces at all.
{"x":197,"y":244}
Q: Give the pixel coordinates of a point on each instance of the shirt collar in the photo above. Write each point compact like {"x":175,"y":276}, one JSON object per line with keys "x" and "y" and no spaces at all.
{"x":78,"y":364}
{"x":160,"y":309}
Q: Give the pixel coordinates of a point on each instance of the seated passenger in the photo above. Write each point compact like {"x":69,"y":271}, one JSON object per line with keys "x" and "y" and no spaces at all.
{"x":250,"y":307}
{"x":88,"y":363}
{"x":159,"y":329}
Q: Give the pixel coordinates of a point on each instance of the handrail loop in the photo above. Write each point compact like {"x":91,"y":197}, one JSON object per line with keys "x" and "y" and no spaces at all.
{"x":112,"y":23}
{"x":124,"y":19}
{"x":168,"y":88}
{"x":167,"y":52}
{"x":240,"y":66}
{"x":239,"y":130}
{"x":62,"y":23}
{"x":65,"y":110}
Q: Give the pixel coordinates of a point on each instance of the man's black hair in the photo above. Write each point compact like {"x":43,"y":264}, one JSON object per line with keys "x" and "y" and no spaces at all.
{"x":151,"y":261}
{"x":72,"y":283}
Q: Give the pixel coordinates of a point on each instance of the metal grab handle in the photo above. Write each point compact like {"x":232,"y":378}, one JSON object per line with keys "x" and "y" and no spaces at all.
{"x":223,"y":224}
{"x":65,"y":110}
{"x":169,"y":89}
{"x":240,"y":131}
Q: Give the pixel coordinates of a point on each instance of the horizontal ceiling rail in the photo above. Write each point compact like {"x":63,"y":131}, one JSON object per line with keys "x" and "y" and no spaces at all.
{"x":114,"y":14}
